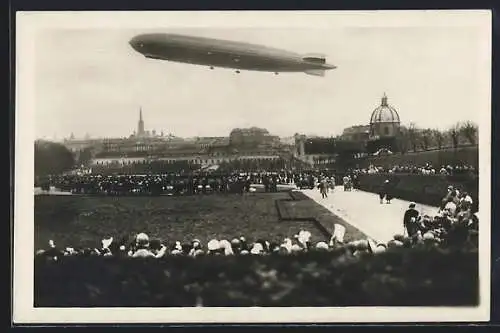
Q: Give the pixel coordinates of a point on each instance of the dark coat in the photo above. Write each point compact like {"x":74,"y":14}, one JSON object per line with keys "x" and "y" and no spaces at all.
{"x":410,"y":226}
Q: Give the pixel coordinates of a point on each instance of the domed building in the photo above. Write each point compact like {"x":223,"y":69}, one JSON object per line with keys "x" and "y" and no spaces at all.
{"x":384,"y":122}
{"x":384,"y":128}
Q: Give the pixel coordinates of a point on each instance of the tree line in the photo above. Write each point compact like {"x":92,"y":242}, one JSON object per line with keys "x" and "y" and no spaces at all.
{"x":413,"y":138}
{"x":52,"y":158}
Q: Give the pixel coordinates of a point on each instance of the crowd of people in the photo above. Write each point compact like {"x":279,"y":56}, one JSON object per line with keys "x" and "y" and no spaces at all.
{"x":156,"y":166}
{"x":427,"y":169}
{"x":444,"y":230}
{"x":178,"y":184}
{"x":454,"y":224}
{"x":456,"y":211}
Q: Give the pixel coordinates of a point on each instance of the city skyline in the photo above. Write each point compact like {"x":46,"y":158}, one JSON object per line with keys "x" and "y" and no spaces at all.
{"x":154,"y":132}
{"x":98,"y":83}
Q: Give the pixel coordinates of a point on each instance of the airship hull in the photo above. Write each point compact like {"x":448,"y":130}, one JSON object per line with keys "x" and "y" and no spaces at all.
{"x":225,"y":54}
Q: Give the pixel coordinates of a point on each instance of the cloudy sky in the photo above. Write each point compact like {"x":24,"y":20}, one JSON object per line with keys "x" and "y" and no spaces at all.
{"x":89,"y":80}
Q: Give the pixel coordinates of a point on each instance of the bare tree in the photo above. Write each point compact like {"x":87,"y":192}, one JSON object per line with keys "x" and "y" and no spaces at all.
{"x":403,"y":140}
{"x":439,"y":138}
{"x":426,"y":137}
{"x":455,"y":135}
{"x":413,"y":136}
{"x":469,"y":131}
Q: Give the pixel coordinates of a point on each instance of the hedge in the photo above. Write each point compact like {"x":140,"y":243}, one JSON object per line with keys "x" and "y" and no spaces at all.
{"x":400,"y":277}
{"x":425,"y":189}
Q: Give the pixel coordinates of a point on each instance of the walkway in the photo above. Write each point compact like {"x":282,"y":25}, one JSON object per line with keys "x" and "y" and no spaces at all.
{"x":363,"y":211}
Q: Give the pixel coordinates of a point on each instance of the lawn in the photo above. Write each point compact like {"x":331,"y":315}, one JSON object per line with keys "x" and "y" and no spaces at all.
{"x":85,"y":220}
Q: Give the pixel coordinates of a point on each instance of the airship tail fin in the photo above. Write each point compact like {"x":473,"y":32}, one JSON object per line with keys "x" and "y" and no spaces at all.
{"x":315,"y":72}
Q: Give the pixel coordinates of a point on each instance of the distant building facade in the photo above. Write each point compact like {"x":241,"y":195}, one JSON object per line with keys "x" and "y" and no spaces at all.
{"x":356,"y":133}
{"x":315,"y":151}
{"x":252,"y":137}
{"x":142,"y":145}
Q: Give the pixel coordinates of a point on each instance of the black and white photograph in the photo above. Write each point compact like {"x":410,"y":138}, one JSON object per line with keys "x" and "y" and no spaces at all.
{"x":316,"y":166}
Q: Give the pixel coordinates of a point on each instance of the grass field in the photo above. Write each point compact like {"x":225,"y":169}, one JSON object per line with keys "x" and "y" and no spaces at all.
{"x":84,"y":220}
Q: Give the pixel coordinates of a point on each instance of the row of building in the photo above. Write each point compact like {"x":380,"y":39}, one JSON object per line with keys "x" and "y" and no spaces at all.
{"x":240,"y":143}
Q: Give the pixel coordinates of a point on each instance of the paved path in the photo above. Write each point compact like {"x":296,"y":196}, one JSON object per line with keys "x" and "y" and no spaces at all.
{"x":363,"y":211}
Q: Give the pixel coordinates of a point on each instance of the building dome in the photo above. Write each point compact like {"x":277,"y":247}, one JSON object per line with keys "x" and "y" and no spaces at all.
{"x":384,"y":113}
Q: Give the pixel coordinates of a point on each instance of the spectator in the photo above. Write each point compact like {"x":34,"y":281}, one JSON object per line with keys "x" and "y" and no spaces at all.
{"x":142,"y":248}
{"x":410,"y":220}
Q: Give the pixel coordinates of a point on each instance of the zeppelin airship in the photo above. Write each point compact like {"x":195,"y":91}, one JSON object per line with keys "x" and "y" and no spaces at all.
{"x":226,"y":54}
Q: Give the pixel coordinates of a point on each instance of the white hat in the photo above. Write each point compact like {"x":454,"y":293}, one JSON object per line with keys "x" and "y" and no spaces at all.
{"x":322,"y":246}
{"x":428,"y":236}
{"x":213,"y":245}
{"x":362,"y":245}
{"x":257,"y":248}
{"x":244,"y":252}
{"x":254,"y":250}
{"x":380,"y":248}
{"x":142,"y":238}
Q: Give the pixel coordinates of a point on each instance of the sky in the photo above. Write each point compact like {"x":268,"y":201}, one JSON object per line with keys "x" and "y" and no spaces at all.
{"x":90,"y":81}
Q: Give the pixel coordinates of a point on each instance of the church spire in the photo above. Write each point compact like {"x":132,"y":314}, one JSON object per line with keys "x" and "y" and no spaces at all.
{"x":140,"y":126}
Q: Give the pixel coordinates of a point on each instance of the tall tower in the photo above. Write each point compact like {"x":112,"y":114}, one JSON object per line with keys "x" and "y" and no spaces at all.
{"x":140,"y":126}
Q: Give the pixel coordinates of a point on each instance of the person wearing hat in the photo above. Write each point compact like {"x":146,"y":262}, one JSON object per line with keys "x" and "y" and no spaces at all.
{"x":323,"y":188}
{"x":143,"y":250}
{"x":410,"y":220}
{"x":450,"y":193}
{"x":389,"y":192}
{"x":383,"y":191}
